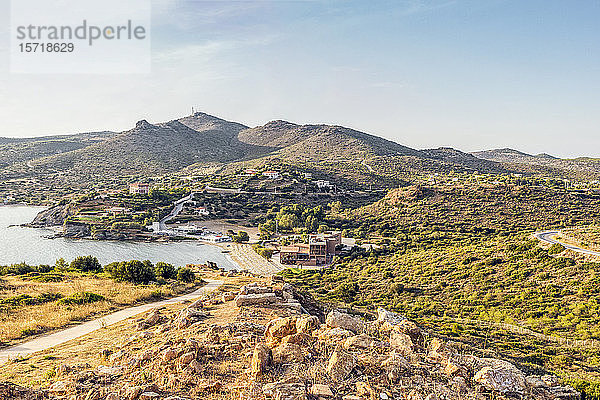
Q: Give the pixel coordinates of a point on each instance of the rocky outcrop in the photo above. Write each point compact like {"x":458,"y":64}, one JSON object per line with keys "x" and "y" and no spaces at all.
{"x":254,"y":299}
{"x":261,"y":359}
{"x":253,"y":295}
{"x":340,"y":364}
{"x":183,"y":355}
{"x":76,"y":230}
{"x":336,"y":319}
{"x":15,"y":392}
{"x":53,"y":216}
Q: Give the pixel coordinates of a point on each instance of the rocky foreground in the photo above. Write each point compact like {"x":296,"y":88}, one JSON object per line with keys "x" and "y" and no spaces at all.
{"x":280,"y":345}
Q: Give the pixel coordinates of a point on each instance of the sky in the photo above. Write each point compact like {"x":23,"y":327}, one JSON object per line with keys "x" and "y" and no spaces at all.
{"x":472,"y":74}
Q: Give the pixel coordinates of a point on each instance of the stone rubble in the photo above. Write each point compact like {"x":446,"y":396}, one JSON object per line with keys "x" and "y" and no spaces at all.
{"x":295,"y":356}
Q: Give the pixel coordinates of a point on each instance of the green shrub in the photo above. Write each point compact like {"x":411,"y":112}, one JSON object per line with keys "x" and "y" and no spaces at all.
{"x":81,"y":298}
{"x":165,"y":271}
{"x":242,"y":236}
{"x":125,"y":225}
{"x":23,"y":268}
{"x":86,"y":264}
{"x":263,"y":251}
{"x":44,"y":278}
{"x":590,"y":389}
{"x":347,"y":291}
{"x":185,"y":275}
{"x":556,"y":248}
{"x":27,"y":300}
{"x":131,"y":271}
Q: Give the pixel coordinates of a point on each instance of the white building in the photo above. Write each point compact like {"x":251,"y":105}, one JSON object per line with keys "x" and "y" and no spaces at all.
{"x":321,"y":184}
{"x":202,"y":211}
{"x":217,"y":238}
{"x":271,"y":174}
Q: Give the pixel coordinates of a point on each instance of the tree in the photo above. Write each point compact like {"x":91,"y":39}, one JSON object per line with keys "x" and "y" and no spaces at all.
{"x":267,"y":229}
{"x":186,"y":275}
{"x":288,"y":221}
{"x":311,"y":223}
{"x":61,"y":264}
{"x":131,"y":271}
{"x":242,"y":236}
{"x":323,"y":228}
{"x":556,"y":248}
{"x":165,"y":271}
{"x":86,"y":264}
{"x":336,"y":207}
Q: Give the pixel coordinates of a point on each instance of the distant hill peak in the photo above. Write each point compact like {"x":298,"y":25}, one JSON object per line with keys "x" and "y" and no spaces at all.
{"x":546,"y":155}
{"x":207,"y":117}
{"x":280,"y":124}
{"x":513,"y":154}
{"x":143,"y":124}
{"x":507,"y":150}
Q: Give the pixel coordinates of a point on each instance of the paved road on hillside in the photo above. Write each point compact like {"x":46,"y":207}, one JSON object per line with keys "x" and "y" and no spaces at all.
{"x":177,"y":207}
{"x":548,"y":237}
{"x":54,"y":339}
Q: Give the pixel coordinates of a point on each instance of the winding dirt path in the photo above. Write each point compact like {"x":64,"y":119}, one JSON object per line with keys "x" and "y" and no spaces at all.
{"x":53,"y":339}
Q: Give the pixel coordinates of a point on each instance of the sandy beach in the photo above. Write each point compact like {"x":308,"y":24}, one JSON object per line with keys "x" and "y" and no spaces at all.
{"x":244,"y":255}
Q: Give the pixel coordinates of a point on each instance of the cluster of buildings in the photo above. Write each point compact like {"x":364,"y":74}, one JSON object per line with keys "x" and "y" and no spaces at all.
{"x":320,"y":250}
{"x":268,"y":174}
{"x":320,"y":183}
{"x":202,"y":233}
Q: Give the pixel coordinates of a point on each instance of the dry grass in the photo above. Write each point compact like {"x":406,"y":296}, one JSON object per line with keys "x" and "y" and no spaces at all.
{"x":20,"y":322}
{"x":36,"y":370}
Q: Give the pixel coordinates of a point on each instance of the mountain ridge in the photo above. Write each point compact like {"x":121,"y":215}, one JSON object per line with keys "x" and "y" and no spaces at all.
{"x":150,"y":149}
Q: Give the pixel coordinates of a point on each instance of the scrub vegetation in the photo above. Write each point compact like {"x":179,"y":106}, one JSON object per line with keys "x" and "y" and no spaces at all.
{"x":80,"y":290}
{"x":462,"y":258}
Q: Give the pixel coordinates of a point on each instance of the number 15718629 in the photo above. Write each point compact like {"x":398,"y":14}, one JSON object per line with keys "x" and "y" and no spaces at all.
{"x":46,"y":47}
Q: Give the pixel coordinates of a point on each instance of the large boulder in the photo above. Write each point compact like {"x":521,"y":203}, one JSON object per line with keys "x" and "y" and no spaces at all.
{"x":288,"y":353}
{"x":149,"y":396}
{"x":285,"y":391}
{"x":301,"y":339}
{"x":307,"y":324}
{"x":502,"y":377}
{"x":255,"y":299}
{"x":360,"y":342}
{"x":261,"y":359}
{"x":388,"y":319}
{"x":321,"y":391}
{"x":279,"y":328}
{"x":332,"y":335}
{"x":60,"y":387}
{"x":188,"y":316}
{"x":336,"y":319}
{"x":402,"y":343}
{"x":395,"y":365}
{"x":547,"y":387}
{"x":340,"y":364}
{"x":152,"y":319}
{"x":253,"y":288}
{"x":439,"y":352}
{"x":388,"y":322}
{"x":170,"y":354}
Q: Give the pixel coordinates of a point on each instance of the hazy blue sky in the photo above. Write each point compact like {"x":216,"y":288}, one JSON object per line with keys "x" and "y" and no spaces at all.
{"x":467,"y":74}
